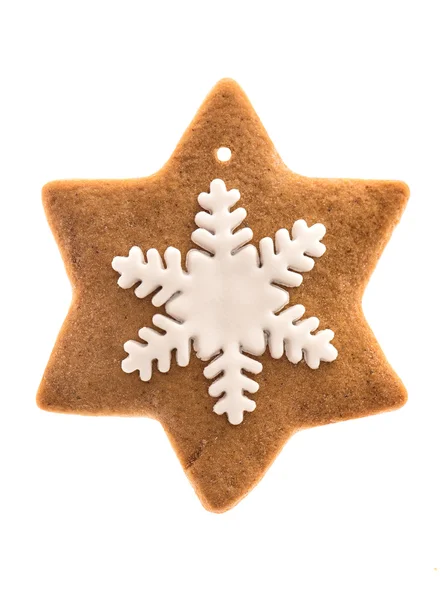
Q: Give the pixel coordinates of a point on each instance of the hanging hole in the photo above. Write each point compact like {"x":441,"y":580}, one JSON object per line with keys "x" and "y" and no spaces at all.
{"x":223,"y":154}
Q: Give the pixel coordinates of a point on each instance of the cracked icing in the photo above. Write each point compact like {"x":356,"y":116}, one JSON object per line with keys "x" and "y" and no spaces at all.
{"x":227,"y":302}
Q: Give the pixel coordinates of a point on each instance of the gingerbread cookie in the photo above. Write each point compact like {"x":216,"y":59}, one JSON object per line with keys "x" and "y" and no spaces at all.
{"x":218,"y":320}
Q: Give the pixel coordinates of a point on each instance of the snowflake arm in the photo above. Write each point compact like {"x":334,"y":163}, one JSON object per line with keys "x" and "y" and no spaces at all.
{"x":159,"y":347}
{"x":152,"y":274}
{"x":292,"y":254}
{"x":286,"y":331}
{"x":233,"y":383}
{"x":215,"y":233}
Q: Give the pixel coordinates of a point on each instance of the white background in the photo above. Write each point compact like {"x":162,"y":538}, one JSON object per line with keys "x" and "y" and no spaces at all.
{"x":99,"y":508}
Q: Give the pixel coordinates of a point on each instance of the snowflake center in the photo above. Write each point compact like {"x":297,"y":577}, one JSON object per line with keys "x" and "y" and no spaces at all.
{"x":229,"y":297}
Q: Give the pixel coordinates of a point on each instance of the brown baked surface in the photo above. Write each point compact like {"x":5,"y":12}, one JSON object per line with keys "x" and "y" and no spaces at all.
{"x":93,"y":221}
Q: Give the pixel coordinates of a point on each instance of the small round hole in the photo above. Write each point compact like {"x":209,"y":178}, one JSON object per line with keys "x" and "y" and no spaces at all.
{"x":223,"y":154}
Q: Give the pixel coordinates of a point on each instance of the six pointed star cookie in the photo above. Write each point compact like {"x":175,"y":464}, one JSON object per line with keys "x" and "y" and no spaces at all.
{"x":95,"y":221}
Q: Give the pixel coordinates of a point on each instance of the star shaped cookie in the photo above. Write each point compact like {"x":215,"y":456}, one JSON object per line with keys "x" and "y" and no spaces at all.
{"x":188,"y":308}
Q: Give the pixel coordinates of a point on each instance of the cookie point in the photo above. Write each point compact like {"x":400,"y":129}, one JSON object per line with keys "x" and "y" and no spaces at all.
{"x":404,"y":188}
{"x":400,"y":396}
{"x":227,"y":84}
{"x":49,"y":192}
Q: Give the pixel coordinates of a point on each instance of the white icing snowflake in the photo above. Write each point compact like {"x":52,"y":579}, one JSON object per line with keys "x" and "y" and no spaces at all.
{"x":226,"y":302}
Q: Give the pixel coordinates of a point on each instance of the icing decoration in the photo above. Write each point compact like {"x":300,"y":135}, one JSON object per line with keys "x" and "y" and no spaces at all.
{"x":227,"y":302}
